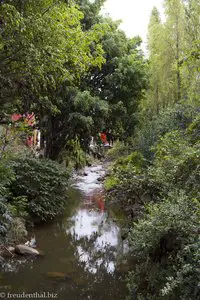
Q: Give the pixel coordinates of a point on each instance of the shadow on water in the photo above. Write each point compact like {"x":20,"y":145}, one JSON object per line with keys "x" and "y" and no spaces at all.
{"x":83,"y":250}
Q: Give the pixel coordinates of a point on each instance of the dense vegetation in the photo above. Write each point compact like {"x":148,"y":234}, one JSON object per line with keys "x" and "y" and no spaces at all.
{"x":158,"y":183}
{"x":79,"y":73}
{"x":30,"y":189}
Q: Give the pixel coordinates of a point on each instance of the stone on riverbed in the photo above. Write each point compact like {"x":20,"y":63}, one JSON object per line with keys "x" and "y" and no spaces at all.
{"x":101,"y":178}
{"x":57,"y":275}
{"x":27,"y":251}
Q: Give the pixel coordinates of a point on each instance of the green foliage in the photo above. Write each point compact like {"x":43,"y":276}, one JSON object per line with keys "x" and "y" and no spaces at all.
{"x":19,"y":206}
{"x":149,"y":131}
{"x":39,"y":184}
{"x":164,"y":235}
{"x":165,"y":243}
{"x":194,"y":130}
{"x":111,"y":182}
{"x":73,"y":156}
{"x":177,"y":164}
{"x":121,"y":80}
{"x":129,"y":183}
{"x":135,"y":159}
{"x":91,"y":11}
{"x":74,"y":68}
{"x":13,"y":137}
{"x":6,"y":177}
{"x":42,"y":46}
{"x":119,"y":149}
{"x":82,"y":116}
{"x":165,"y":240}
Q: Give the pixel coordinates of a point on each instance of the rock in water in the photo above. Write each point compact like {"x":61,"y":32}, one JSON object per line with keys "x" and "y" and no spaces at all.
{"x":57,"y":275}
{"x":101,"y":178}
{"x":26,"y":250}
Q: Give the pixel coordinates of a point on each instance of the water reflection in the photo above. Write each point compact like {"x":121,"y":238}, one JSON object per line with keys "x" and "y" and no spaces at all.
{"x":97,"y":238}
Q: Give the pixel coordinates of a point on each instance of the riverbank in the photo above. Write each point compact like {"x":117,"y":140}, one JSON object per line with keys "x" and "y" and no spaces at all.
{"x":84,"y":255}
{"x":160,"y":198}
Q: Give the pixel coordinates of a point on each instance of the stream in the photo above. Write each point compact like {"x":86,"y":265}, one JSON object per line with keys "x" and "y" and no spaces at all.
{"x":84,"y":255}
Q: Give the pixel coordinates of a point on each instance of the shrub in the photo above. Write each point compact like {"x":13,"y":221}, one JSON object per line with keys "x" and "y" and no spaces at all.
{"x":135,"y":160}
{"x":119,"y":150}
{"x":193,"y":130}
{"x":165,"y":243}
{"x":129,"y":183}
{"x":73,"y":156}
{"x":6,"y":177}
{"x":149,"y":131}
{"x":177,"y":163}
{"x":40,"y":183}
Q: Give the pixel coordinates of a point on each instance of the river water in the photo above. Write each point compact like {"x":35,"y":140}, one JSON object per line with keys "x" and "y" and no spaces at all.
{"x":84,"y":255}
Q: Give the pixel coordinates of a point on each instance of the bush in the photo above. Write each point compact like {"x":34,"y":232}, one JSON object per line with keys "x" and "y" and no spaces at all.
{"x":165,"y":243}
{"x":129,"y":183}
{"x":6,"y":177}
{"x":177,"y":163}
{"x":119,"y":150}
{"x":73,"y":156}
{"x":39,"y":184}
{"x":193,"y":130}
{"x":149,"y":132}
{"x":159,"y":191}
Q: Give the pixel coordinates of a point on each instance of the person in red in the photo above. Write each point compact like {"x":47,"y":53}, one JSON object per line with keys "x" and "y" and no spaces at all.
{"x":103,"y":138}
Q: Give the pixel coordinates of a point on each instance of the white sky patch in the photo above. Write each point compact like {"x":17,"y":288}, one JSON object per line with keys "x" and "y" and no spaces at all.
{"x":135,"y":15}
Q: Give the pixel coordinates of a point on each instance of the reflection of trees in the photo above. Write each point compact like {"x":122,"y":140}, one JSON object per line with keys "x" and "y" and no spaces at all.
{"x":15,"y":264}
{"x":96,"y":250}
{"x":94,"y":259}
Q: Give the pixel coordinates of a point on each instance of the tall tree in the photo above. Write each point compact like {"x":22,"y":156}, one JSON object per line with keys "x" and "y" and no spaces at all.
{"x":155,"y":39}
{"x":175,"y":31}
{"x":122,"y":79}
{"x":166,"y":45}
{"x":41,"y":47}
{"x":91,"y":11}
{"x":190,"y":63}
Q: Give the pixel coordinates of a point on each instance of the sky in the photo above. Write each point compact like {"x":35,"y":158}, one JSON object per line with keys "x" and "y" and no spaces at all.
{"x":135,"y":15}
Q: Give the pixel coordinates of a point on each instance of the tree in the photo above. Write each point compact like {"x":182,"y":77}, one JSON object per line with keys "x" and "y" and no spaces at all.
{"x":155,"y":33}
{"x":175,"y":30}
{"x":81,"y":115}
{"x":41,"y":46}
{"x":122,"y":79}
{"x":71,"y":56}
{"x":91,"y":11}
{"x":190,"y":63}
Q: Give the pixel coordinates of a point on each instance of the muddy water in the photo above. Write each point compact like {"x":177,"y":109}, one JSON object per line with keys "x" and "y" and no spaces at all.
{"x":84,"y":253}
